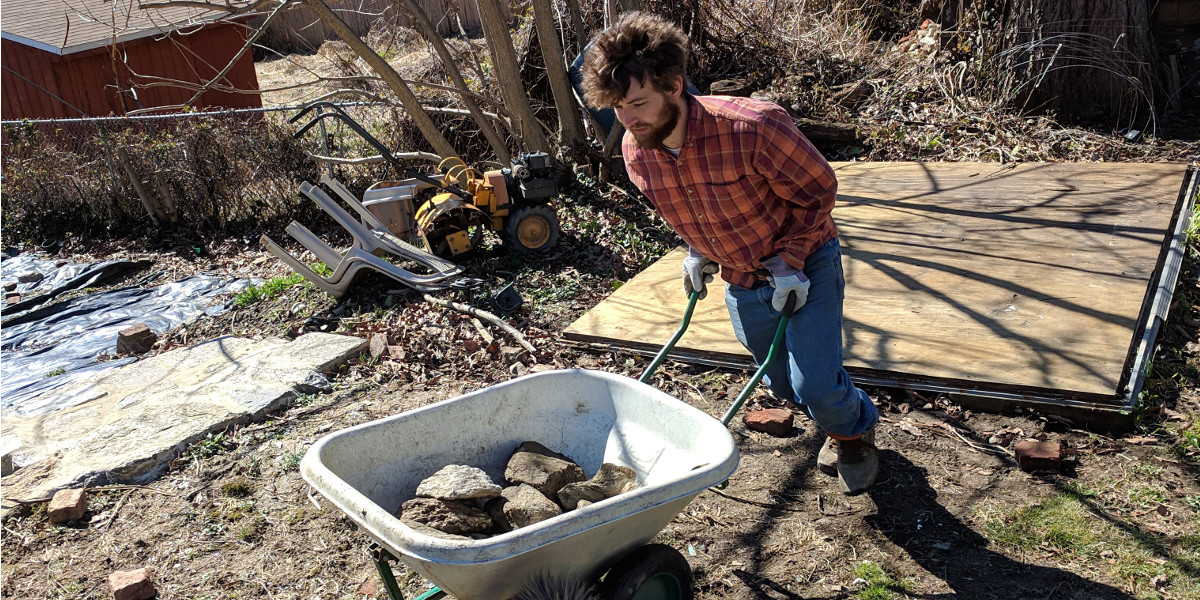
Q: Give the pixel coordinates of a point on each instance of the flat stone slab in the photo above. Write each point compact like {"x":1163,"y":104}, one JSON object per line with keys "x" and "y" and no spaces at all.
{"x":125,"y":424}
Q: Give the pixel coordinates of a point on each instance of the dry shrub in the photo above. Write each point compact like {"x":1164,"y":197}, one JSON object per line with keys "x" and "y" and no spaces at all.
{"x":226,"y":174}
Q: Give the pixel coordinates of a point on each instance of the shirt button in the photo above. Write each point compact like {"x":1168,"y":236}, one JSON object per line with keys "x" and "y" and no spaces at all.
{"x":689,"y":190}
{"x":701,"y":217}
{"x":713,"y":240}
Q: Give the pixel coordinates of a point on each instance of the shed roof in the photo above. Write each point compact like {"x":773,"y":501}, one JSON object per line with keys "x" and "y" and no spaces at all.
{"x":69,"y":26}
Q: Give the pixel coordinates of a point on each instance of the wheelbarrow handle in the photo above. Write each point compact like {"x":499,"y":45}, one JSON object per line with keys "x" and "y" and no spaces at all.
{"x":788,"y":309}
{"x":662,"y":354}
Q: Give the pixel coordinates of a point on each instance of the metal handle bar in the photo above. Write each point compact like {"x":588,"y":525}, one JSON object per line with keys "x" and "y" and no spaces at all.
{"x":339,"y":114}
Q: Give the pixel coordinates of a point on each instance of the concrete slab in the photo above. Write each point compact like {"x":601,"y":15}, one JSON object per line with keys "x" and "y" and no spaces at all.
{"x":126,"y":424}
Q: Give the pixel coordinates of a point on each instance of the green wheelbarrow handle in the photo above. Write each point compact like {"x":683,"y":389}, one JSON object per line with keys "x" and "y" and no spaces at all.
{"x":788,"y":309}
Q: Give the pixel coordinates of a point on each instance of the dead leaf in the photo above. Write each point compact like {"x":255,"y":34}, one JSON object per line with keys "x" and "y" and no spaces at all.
{"x":908,"y":426}
{"x":1162,"y":510}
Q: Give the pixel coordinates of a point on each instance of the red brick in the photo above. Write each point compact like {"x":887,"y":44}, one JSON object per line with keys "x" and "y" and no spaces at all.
{"x":132,"y":585}
{"x":1039,"y":456}
{"x":775,"y":421}
{"x":136,"y":339}
{"x":67,"y":505}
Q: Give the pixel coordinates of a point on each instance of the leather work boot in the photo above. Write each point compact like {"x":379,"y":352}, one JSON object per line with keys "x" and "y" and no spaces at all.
{"x":827,"y":458}
{"x":858,"y":463}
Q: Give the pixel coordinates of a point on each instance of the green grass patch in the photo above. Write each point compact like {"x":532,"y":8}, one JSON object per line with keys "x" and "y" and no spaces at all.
{"x":269,"y":290}
{"x":1188,"y":446}
{"x":54,"y":373}
{"x":879,"y":585}
{"x":238,"y":487}
{"x":210,"y":446}
{"x":290,"y":461}
{"x":1125,"y":555}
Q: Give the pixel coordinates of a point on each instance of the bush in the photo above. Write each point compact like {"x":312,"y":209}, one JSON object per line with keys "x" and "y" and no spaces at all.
{"x":225,"y":174}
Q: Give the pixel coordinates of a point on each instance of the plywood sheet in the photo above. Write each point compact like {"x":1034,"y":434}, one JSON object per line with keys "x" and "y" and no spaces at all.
{"x":1031,"y":276}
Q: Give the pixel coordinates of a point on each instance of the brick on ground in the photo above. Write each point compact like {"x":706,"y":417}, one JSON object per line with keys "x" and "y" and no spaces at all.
{"x":775,"y":421}
{"x":67,"y":505}
{"x":1033,"y":455}
{"x":136,"y":339}
{"x":132,"y":585}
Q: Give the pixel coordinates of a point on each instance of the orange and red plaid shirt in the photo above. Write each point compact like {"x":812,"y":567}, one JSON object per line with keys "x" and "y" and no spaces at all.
{"x":746,"y":186}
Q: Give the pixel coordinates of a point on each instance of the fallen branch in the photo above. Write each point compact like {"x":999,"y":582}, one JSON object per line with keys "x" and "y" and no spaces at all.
{"x":487,"y":316}
{"x":754,"y":502}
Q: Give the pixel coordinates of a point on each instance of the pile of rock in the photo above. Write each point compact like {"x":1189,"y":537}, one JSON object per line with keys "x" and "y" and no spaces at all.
{"x":463,"y":501}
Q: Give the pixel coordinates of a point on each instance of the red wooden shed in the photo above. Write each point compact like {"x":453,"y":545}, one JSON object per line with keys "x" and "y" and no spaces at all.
{"x":67,"y":59}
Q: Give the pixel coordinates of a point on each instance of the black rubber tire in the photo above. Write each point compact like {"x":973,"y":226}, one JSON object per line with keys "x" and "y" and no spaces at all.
{"x":652,"y":572}
{"x":532,"y":228}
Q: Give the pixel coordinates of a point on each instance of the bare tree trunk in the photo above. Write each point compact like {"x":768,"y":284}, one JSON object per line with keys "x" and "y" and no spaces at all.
{"x":576,"y":15}
{"x":504,"y":58}
{"x":485,"y":124}
{"x":389,"y":76}
{"x":569,"y":123}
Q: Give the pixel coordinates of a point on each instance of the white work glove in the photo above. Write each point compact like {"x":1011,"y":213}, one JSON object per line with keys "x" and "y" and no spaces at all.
{"x":697,"y":271}
{"x":786,"y":280}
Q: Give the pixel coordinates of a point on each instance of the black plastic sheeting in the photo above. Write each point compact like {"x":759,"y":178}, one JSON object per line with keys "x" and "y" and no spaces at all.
{"x":43,"y":348}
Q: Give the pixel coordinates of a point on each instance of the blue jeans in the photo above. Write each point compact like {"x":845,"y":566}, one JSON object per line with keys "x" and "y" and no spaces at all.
{"x":810,"y":373}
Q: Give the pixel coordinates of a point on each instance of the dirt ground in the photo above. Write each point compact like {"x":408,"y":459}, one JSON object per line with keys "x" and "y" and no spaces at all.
{"x":950,"y":516}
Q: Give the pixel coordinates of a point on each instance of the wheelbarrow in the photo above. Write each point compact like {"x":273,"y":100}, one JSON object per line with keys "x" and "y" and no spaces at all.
{"x":593,"y":417}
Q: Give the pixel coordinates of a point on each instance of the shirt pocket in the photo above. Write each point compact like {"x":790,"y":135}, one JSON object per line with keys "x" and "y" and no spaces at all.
{"x":744,"y":206}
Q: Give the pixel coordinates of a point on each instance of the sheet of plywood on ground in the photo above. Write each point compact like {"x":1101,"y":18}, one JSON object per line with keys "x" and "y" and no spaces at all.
{"x":1030,"y":276}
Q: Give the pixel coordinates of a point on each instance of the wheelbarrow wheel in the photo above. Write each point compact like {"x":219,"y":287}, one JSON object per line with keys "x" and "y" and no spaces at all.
{"x":652,"y":572}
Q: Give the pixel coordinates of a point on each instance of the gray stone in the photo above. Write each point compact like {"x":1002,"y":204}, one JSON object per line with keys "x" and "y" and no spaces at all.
{"x":378,"y":345}
{"x":446,"y":515}
{"x":521,"y":505}
{"x":136,"y":339}
{"x":429,"y":531}
{"x":315,"y":383}
{"x":609,"y":481}
{"x":30,"y":277}
{"x":731,"y":87}
{"x":458,"y":482}
{"x":126,"y":424}
{"x":547,"y":471}
{"x":8,"y":446}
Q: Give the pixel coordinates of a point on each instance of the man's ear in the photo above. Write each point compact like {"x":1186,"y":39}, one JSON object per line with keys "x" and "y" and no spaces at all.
{"x":677,"y":90}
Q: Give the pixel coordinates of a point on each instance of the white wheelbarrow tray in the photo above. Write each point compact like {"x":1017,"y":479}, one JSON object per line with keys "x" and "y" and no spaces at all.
{"x":590,"y":416}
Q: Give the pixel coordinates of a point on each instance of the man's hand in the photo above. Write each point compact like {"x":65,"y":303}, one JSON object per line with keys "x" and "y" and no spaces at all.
{"x":697,"y":271}
{"x":786,"y":280}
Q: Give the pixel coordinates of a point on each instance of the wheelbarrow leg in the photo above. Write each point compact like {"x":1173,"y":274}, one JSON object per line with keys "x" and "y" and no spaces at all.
{"x":383,"y":565}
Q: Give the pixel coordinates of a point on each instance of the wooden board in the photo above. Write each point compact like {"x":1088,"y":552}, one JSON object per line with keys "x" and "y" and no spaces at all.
{"x":1026,"y":277}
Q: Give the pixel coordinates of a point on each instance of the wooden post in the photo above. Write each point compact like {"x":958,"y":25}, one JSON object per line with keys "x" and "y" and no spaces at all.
{"x":166,"y":198}
{"x":485,"y":124}
{"x":147,"y":201}
{"x":504,"y":58}
{"x":407,"y":98}
{"x":569,"y":122}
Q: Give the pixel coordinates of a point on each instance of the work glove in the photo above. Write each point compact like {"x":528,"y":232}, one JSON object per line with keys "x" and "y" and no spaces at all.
{"x":697,"y":271}
{"x":786,"y":280}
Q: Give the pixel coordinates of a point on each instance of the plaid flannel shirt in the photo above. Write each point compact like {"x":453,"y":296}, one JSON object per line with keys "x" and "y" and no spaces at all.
{"x":747,"y":185}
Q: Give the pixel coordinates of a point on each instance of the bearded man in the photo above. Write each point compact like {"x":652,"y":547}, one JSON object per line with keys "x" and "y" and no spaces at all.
{"x":752,"y":198}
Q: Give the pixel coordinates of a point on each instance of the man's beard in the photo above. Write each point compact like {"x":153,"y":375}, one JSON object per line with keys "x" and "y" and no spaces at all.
{"x":669,"y":117}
